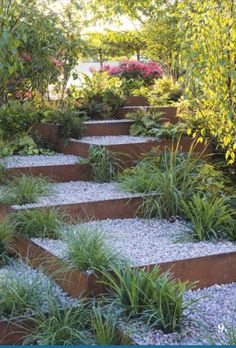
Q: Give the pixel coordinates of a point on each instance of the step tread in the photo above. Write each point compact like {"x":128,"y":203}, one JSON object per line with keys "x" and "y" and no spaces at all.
{"x":115,"y":140}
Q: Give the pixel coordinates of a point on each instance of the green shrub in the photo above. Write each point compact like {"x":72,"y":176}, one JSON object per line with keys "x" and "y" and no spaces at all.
{"x":24,"y":189}
{"x":153,"y":297}
{"x":87,"y":250}
{"x":211,"y":217}
{"x":67,"y":326}
{"x":165,"y":92}
{"x":43,"y":223}
{"x":104,"y":163}
{"x":146,"y":122}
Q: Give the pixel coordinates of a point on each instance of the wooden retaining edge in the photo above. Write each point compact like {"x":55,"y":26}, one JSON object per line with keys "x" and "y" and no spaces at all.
{"x":205,"y":270}
{"x":13,"y":333}
{"x":58,"y":173}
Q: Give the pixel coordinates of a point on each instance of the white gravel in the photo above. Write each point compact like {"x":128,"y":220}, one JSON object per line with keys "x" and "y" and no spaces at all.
{"x":207,"y":324}
{"x":78,"y":192}
{"x":17,"y":161}
{"x":27,"y":276}
{"x":115,"y":140}
{"x":144,"y":242}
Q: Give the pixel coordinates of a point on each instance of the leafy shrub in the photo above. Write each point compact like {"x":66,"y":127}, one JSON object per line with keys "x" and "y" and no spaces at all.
{"x":43,"y":223}
{"x":15,"y":118}
{"x":134,"y":70}
{"x":67,"y":326}
{"x":103,"y":162}
{"x":153,"y":297}
{"x":164,"y":92}
{"x":24,"y":189}
{"x":87,"y":250}
{"x":100,"y":95}
{"x":210,"y":216}
{"x":146,"y":121}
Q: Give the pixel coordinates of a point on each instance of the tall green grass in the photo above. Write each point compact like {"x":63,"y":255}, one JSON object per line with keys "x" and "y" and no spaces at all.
{"x":42,"y":223}
{"x":24,"y":190}
{"x":87,"y":249}
{"x":150,"y":296}
{"x":211,"y":217}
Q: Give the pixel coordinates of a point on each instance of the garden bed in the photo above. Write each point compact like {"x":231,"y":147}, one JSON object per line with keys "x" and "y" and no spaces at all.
{"x":87,"y":200}
{"x":59,"y":167}
{"x":206,"y":324}
{"x":145,"y":245}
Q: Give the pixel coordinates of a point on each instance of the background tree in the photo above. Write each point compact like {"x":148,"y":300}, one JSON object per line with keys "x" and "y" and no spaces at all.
{"x":209,"y":55}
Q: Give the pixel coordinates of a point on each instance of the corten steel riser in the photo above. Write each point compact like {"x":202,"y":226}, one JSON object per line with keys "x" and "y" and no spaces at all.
{"x":205,"y":270}
{"x":57,"y":173}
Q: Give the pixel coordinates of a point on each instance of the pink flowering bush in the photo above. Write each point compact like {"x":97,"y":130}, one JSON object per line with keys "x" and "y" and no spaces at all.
{"x":134,"y":70}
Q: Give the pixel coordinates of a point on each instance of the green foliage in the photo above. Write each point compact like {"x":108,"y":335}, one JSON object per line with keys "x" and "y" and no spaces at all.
{"x":38,"y":223}
{"x":2,"y":173}
{"x":24,"y":294}
{"x":24,"y":189}
{"x":6,"y":232}
{"x":211,"y":217}
{"x":61,"y":326}
{"x":153,"y":297}
{"x":71,"y":119}
{"x":33,"y":56}
{"x":172,"y":177}
{"x":146,"y":121}
{"x":208,"y":53}
{"x":100,"y":95}
{"x":103,"y":162}
{"x":87,"y":249}
{"x":165,"y":91}
{"x":104,"y":325}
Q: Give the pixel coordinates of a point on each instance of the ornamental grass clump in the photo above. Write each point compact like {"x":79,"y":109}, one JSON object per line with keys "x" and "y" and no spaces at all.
{"x":42,"y":223}
{"x":152,"y":297}
{"x":87,"y":250}
{"x":104,"y":164}
{"x":210,"y":216}
{"x":61,"y":326}
{"x":24,"y":189}
{"x":6,"y":232}
{"x":21,"y":291}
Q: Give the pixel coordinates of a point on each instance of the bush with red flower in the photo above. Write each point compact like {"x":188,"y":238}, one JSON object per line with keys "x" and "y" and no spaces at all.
{"x":135,"y":70}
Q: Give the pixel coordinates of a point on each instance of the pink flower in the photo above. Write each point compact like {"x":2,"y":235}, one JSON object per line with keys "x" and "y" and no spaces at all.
{"x":26,"y":57}
{"x":58,"y":63}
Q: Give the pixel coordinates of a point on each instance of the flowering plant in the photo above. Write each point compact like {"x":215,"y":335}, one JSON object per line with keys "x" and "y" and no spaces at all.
{"x":134,"y":70}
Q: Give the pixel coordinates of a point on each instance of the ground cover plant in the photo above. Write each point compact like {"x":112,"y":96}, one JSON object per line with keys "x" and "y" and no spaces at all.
{"x":6,"y":232}
{"x":87,"y":250}
{"x":24,"y":189}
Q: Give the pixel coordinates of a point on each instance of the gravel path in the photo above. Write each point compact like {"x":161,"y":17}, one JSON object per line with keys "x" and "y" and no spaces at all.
{"x":26,"y":276}
{"x":38,"y":160}
{"x":144,"y":242}
{"x":215,"y":313}
{"x":78,"y":192}
{"x":115,"y":140}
